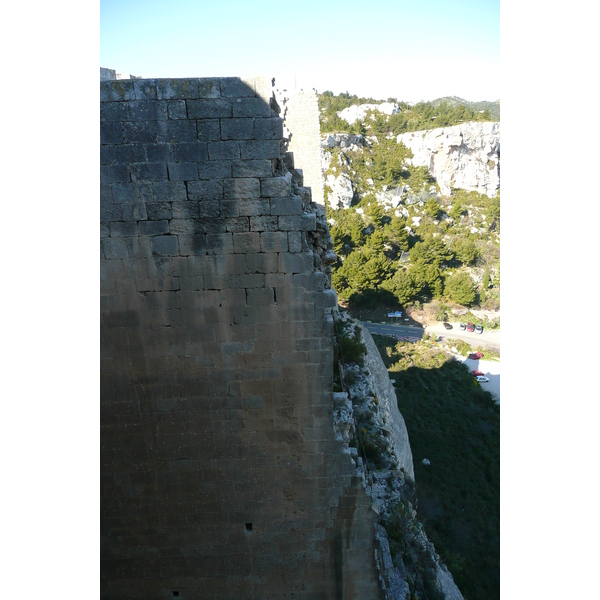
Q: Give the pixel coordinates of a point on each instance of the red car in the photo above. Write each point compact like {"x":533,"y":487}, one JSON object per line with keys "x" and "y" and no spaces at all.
{"x":470,"y":326}
{"x":476,"y":373}
{"x":475,"y":355}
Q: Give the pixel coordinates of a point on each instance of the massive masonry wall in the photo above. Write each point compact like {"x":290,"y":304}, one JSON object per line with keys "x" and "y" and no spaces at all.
{"x":221,"y":476}
{"x":301,"y":117}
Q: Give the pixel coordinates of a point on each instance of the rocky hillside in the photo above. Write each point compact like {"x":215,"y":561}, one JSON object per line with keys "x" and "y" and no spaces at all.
{"x":368,"y":422}
{"x":465,"y":156}
{"x":492,"y":107}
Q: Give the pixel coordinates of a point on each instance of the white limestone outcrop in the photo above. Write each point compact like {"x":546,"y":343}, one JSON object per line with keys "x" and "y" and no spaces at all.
{"x":359,"y":111}
{"x":340,"y":191}
{"x":465,"y":156}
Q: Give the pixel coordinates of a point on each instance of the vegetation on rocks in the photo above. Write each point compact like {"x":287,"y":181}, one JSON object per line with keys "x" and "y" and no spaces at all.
{"x":401,"y":241}
{"x":413,"y":117}
{"x":455,"y":424}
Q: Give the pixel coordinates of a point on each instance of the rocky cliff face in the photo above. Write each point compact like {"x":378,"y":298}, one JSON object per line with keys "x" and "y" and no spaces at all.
{"x":465,"y":156}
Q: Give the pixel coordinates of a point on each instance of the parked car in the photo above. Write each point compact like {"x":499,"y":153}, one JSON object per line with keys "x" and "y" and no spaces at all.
{"x":476,"y":373}
{"x":470,"y":326}
{"x":447,"y":326}
{"x":463,"y":326}
{"x":475,"y":355}
{"x":478,"y":328}
{"x":481,"y":378}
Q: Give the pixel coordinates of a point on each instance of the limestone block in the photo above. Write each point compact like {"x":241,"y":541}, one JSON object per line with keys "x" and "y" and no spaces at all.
{"x":168,"y":89}
{"x":190,"y":151}
{"x":205,"y":190}
{"x":241,"y":187}
{"x":278,"y":187}
{"x":178,"y":131}
{"x":153,"y":227}
{"x":286,"y":206}
{"x":118,"y":91}
{"x":114,"y":174}
{"x":148,"y":171}
{"x":114,"y":111}
{"x":111,"y":132}
{"x":218,"y":169}
{"x":165,"y":245}
{"x":237,"y":224}
{"x":275,"y":241}
{"x":228,"y":150}
{"x":184,"y":171}
{"x":236,"y":87}
{"x":237,"y":129}
{"x":125,"y":192}
{"x":260,"y":149}
{"x":159,"y":210}
{"x":148,"y":110}
{"x":254,"y":207}
{"x":262,"y":263}
{"x":294,"y":241}
{"x":246,"y":243}
{"x":219,"y":243}
{"x":176,"y":109}
{"x":263,"y":223}
{"x":216,"y":108}
{"x":268,"y":129}
{"x":145,"y":89}
{"x":252,"y":168}
{"x":251,"y":107}
{"x":155,"y":153}
{"x":208,"y":130}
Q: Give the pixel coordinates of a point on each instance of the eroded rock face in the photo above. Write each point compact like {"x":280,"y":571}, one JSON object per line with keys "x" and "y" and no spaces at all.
{"x":340,"y":191}
{"x":392,"y":420}
{"x":465,"y":156}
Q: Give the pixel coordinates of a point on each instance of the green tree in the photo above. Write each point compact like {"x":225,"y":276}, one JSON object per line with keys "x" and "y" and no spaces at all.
{"x":403,"y":286}
{"x":460,"y":288}
{"x":465,"y":250}
{"x":432,"y":208}
{"x":395,"y":233}
{"x":432,"y":250}
{"x":485,"y":283}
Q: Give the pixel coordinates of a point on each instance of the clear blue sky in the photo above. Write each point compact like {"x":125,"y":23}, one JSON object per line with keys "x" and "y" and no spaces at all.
{"x":413,"y":50}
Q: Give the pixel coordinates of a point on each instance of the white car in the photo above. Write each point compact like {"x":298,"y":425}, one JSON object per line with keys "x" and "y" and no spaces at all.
{"x":481,"y":378}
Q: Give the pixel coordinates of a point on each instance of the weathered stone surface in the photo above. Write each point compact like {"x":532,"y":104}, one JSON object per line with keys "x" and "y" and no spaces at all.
{"x":388,"y":403}
{"x":465,"y":156}
{"x":341,"y":192}
{"x":218,"y":450}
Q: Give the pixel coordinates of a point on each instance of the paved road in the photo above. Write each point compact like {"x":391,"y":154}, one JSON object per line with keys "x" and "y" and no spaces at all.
{"x":402,"y":330}
{"x":488,"y":339}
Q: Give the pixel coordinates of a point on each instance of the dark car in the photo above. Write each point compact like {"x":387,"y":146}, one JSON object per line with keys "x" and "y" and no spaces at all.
{"x":478,"y":328}
{"x":447,"y":326}
{"x":463,"y":326}
{"x":475,"y":355}
{"x":470,"y":326}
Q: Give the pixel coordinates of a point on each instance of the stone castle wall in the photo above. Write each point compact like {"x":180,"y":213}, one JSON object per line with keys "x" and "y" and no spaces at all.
{"x":221,"y":475}
{"x":300,"y":111}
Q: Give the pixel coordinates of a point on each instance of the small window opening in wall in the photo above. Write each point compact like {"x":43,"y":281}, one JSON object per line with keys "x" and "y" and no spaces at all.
{"x":248,"y":526}
{"x":275,"y":295}
{"x":175,"y":593}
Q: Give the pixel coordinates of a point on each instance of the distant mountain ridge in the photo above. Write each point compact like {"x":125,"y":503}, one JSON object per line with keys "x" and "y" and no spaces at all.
{"x":492,"y":107}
